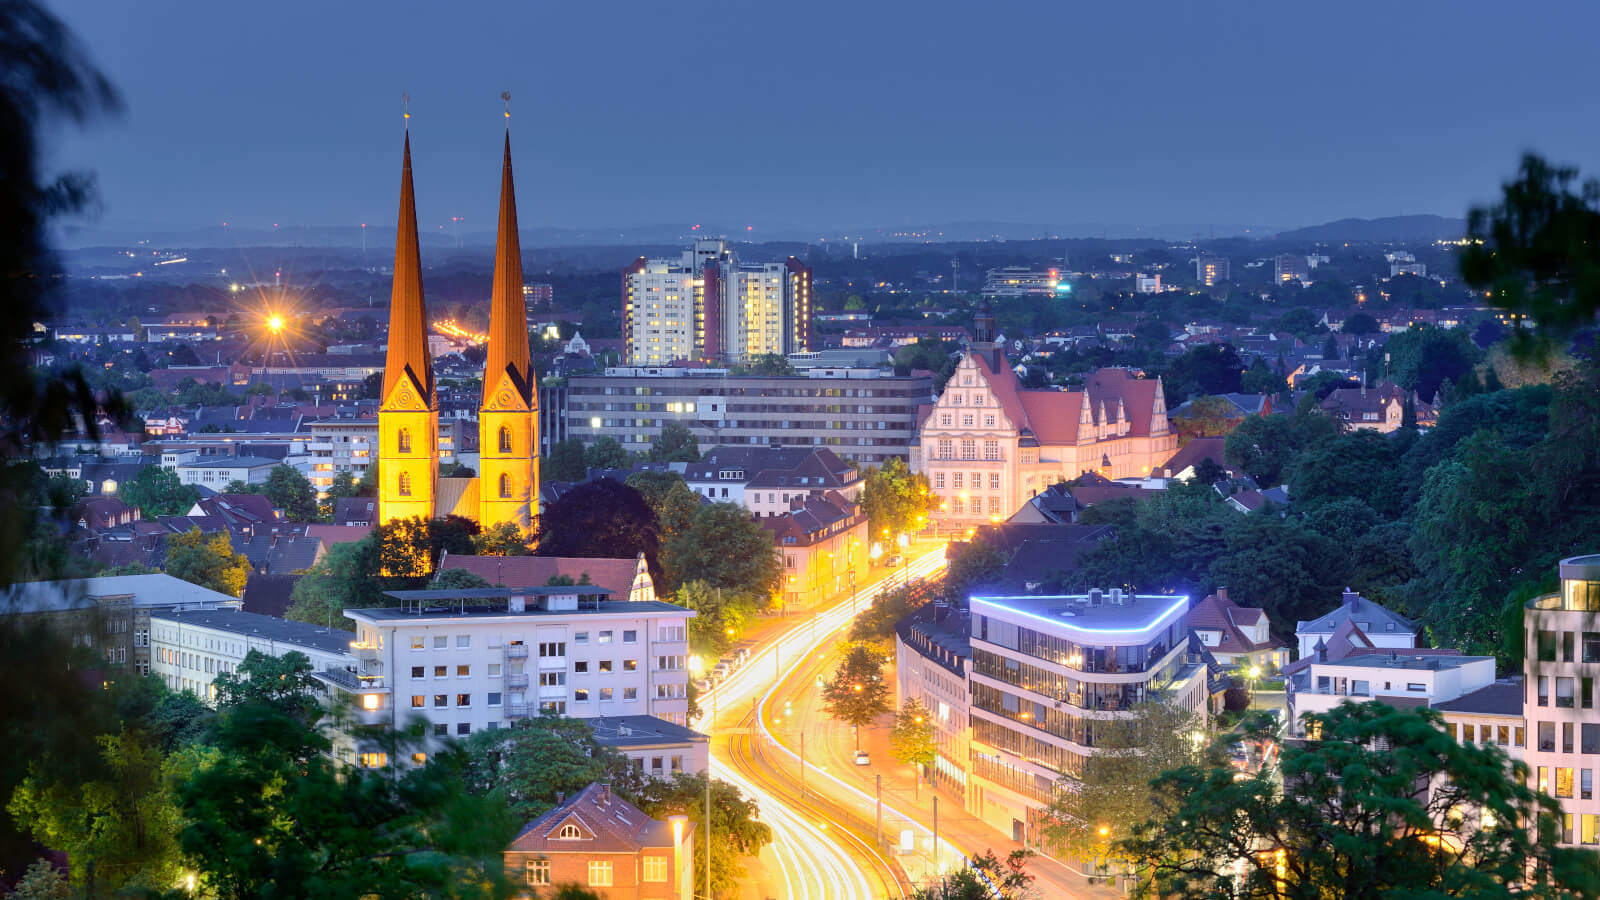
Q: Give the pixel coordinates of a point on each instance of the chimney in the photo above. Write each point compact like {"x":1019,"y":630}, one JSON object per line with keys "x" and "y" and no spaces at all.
{"x":605,"y":793}
{"x":1322,"y":650}
{"x":1352,"y":600}
{"x":1222,"y":594}
{"x":561,"y":797}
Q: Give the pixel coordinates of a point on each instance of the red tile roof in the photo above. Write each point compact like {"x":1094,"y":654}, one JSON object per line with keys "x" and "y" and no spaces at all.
{"x":1218,"y":613}
{"x":605,"y":822}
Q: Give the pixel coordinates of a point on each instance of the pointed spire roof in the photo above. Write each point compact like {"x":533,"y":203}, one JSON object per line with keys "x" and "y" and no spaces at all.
{"x":408,"y":316}
{"x":508,"y":315}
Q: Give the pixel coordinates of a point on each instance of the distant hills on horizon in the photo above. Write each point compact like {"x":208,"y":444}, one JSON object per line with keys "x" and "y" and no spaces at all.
{"x":381,"y":240}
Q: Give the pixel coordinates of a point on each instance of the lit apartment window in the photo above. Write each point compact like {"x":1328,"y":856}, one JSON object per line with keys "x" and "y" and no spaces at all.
{"x":373,"y":760}
{"x":599,"y":873}
{"x":655,"y":868}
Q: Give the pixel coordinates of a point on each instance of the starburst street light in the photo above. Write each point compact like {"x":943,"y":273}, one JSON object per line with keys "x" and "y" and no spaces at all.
{"x":275,"y":323}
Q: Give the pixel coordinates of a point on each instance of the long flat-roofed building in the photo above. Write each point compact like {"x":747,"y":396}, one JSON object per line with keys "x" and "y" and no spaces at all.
{"x":1045,"y":671}
{"x":475,"y":660}
{"x":866,"y":415}
{"x":190,"y":648}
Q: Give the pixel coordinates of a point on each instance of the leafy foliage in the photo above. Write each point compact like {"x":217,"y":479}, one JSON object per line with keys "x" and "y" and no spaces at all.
{"x":1205,"y":417}
{"x":911,"y":739}
{"x":736,"y":831}
{"x":724,"y":547}
{"x":210,"y":562}
{"x":504,"y":539}
{"x":291,"y":492}
{"x":1206,"y":369}
{"x":895,"y":500}
{"x":156,"y":491}
{"x":857,"y":693}
{"x":564,"y":462}
{"x":529,"y":768}
{"x":1364,"y":813}
{"x":675,"y":443}
{"x":605,"y":519}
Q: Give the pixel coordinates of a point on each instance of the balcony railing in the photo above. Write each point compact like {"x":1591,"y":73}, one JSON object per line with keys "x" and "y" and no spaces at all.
{"x":516,"y":681}
{"x":516,"y":710}
{"x":366,"y":653}
{"x":516,"y":651}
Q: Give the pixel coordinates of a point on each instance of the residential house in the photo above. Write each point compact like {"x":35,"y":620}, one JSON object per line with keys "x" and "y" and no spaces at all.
{"x":822,"y":543}
{"x":607,"y":845}
{"x":1380,"y":408}
{"x":1380,"y":627}
{"x":1237,"y":636}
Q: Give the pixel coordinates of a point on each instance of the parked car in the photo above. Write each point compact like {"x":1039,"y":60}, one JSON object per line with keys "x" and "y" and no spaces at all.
{"x":862,"y":759}
{"x":895,"y":560}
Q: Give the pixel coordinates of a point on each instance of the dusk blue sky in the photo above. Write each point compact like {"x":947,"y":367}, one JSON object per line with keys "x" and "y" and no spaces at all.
{"x":828,"y":115}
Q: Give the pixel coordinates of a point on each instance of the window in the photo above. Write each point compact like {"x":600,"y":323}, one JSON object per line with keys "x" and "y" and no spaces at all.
{"x":1547,"y":737}
{"x":402,"y":442}
{"x":1522,"y":736}
{"x":552,"y":679}
{"x":605,"y":666}
{"x":605,"y":637}
{"x":494,"y":670}
{"x":1567,"y":639}
{"x":944,"y":420}
{"x":1468,"y":733}
{"x":938,"y":480}
{"x":463,"y":700}
{"x":463,"y":641}
{"x":1544,"y":690}
{"x":580,"y":695}
{"x":405,"y":484}
{"x":1547,"y":646}
{"x":441,"y":671}
{"x":418,"y":701}
{"x":581,"y":667}
{"x":505,"y":439}
{"x":419,"y":672}
{"x":1566,"y":737}
{"x":967,"y":420}
{"x":630,"y":637}
{"x":1413,"y":686}
{"x":1591,"y":829}
{"x":419,"y":758}
{"x":969,"y":449}
{"x":1591,"y":738}
{"x":988,"y":421}
{"x":441,"y":730}
{"x":599,"y":873}
{"x":958,"y":480}
{"x":946,"y":448}
{"x":538,"y":871}
{"x":374,"y":760}
{"x":494,"y":698}
{"x":1564,"y":783}
{"x":630,"y":693}
{"x":440,"y":701}
{"x":1505,"y":735}
{"x":1591,"y":646}
{"x":580,"y":637}
{"x":569,"y":832}
{"x":441,"y":642}
{"x":655,"y":868}
{"x":991,"y":450}
{"x":463,"y":671}
{"x":1586,"y":784}
{"x":418,"y":642}
{"x":505,"y":486}
{"x":463,"y":728}
{"x":552,"y":649}
{"x":1564,"y":689}
{"x":994,"y":481}
{"x":630,"y":665}
{"x":605,"y":695}
{"x":994,"y":506}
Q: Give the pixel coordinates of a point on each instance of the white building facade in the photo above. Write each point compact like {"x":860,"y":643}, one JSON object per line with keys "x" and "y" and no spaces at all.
{"x":1045,"y":671}
{"x":190,"y":648}
{"x":1562,"y":665}
{"x":466,"y":661}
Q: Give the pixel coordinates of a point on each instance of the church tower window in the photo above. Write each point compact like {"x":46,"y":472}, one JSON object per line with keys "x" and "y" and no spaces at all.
{"x":505,"y":485}
{"x":402,"y":441}
{"x":505,"y":439}
{"x":405,"y":483}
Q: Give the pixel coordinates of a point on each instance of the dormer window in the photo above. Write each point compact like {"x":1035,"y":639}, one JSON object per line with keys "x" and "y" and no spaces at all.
{"x":569,"y":832}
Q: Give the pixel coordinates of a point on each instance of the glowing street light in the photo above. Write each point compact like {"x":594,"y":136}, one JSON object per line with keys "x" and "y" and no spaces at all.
{"x":275,"y":323}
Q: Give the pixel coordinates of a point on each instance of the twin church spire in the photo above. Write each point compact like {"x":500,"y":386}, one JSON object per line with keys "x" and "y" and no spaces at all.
{"x":505,"y":489}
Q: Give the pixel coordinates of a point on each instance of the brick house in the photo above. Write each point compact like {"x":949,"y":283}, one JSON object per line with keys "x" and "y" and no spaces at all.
{"x":607,"y":845}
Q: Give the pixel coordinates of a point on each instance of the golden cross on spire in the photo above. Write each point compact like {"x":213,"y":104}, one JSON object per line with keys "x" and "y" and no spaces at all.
{"x":506,"y":96}
{"x":405,"y":98}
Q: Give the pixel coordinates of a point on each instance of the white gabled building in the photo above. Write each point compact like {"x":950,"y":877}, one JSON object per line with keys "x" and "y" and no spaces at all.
{"x":465,"y":661}
{"x":1383,"y":628}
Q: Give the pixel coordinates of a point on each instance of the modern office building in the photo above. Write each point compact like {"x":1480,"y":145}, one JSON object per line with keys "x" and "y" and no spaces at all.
{"x":1212,"y":270}
{"x":708,"y":306}
{"x":1046,"y":671}
{"x":1562,"y":660}
{"x":865,"y":415}
{"x":1020,"y":281}
{"x":988,"y":445}
{"x":190,"y":648}
{"x":466,"y":661}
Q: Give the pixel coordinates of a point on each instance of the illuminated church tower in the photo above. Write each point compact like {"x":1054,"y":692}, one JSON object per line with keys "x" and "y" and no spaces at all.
{"x":408,"y":419}
{"x":508,"y":418}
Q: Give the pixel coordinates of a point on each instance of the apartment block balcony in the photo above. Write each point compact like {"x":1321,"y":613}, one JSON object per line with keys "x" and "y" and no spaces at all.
{"x":516,"y":651}
{"x":364,"y":653}
{"x":516,"y":681}
{"x":516,"y":710}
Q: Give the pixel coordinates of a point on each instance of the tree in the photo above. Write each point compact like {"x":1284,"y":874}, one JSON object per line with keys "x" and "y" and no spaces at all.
{"x":768,"y":365}
{"x":675,"y":443}
{"x":42,"y":881}
{"x":875,"y":625}
{"x":735,"y":831}
{"x":344,"y":485}
{"x":1088,"y":815}
{"x":156,"y":491}
{"x":605,"y":519}
{"x":209,"y":562}
{"x":1427,"y":817}
{"x":1423,"y":357}
{"x":987,"y":877}
{"x":1362,"y":464}
{"x":1299,"y":321}
{"x":972,"y":563}
{"x":118,"y":827}
{"x":911,"y":740}
{"x":857,"y":693}
{"x":1534,"y":253}
{"x":504,"y":539}
{"x":1360,"y":324}
{"x":346,"y":577}
{"x":727,"y":549}
{"x":529,"y":768}
{"x":606,"y":453}
{"x":720,"y":616}
{"x":1263,"y":447}
{"x":291,"y":492}
{"x":412,"y":548}
{"x":1205,"y":417}
{"x":895,"y":499}
{"x":1206,"y":369}
{"x":275,"y":813}
{"x":565,"y":462}
{"x":285,"y":683}
{"x":669,"y":498}
{"x":459,"y":580}
{"x":1259,"y":379}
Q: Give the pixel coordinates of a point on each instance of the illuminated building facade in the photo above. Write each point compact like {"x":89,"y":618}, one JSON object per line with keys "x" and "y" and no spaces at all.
{"x":1562,"y":654}
{"x":1047,"y":672}
{"x":707,"y":306}
{"x":1212,"y":270}
{"x":988,"y":445}
{"x":506,"y":489}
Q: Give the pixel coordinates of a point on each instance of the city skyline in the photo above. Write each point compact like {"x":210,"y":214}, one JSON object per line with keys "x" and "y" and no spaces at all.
{"x":1383,"y":116}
